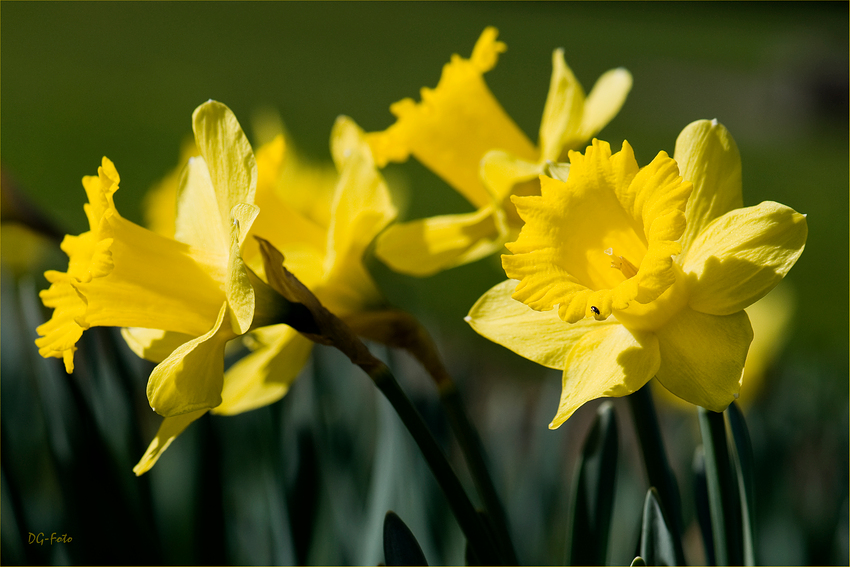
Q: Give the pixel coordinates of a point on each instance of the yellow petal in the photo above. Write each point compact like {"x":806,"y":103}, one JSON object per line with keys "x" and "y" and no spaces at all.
{"x":562,"y":114}
{"x":160,"y":203}
{"x":424,"y":247}
{"x":238,"y":287}
{"x":540,"y":336}
{"x":153,"y":344}
{"x":605,"y":100}
{"x":702,"y":356}
{"x":607,"y":361}
{"x":191,"y":377}
{"x":455,"y":124}
{"x":708,"y":157}
{"x":501,"y":172}
{"x":229,"y":157}
{"x":264,"y":376}
{"x":156,"y":283}
{"x":741,"y":256}
{"x":360,"y":210}
{"x":170,"y":428}
{"x":197,"y":222}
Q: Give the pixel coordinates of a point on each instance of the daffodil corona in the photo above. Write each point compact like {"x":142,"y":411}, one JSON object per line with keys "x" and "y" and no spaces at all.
{"x":462,"y":133}
{"x":623,"y":273}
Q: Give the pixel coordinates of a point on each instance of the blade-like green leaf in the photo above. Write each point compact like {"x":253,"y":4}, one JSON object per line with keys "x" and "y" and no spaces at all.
{"x":400,"y":546}
{"x":657,"y":541}
{"x":722,"y":490}
{"x":702,"y":507}
{"x":655,"y":461}
{"x":742,"y":454}
{"x":593,"y":491}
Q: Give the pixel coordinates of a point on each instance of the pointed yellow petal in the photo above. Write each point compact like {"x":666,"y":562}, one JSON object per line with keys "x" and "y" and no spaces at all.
{"x":229,"y":157}
{"x":702,"y":356}
{"x":708,"y":157}
{"x":607,"y":361}
{"x":153,"y":344}
{"x":501,"y":172}
{"x":160,"y":203}
{"x":170,"y":428}
{"x":455,"y":124}
{"x":264,"y":376}
{"x":191,"y":377}
{"x":605,"y":100}
{"x":540,"y":336}
{"x":562,"y":114}
{"x":741,"y":256}
{"x":424,"y":247}
{"x":197,"y":221}
{"x":361,"y":208}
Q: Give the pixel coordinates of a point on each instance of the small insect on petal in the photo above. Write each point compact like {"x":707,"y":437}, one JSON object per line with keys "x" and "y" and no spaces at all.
{"x":594,"y":309}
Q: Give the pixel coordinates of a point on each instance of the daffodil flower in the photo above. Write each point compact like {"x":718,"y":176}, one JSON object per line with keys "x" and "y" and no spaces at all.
{"x":185,"y":297}
{"x":322,"y":221}
{"x":462,"y":133}
{"x":624,"y":273}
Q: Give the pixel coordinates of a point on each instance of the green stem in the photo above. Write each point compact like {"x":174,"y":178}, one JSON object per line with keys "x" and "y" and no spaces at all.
{"x":657,"y":466}
{"x":470,"y":522}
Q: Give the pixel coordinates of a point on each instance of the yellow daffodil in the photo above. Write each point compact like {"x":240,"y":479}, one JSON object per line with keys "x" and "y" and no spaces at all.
{"x":187,"y":296}
{"x":462,"y":133}
{"x":322,"y":221}
{"x":623,"y":273}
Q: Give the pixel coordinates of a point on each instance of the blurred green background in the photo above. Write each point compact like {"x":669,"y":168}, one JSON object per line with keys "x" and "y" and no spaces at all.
{"x":309,"y":479}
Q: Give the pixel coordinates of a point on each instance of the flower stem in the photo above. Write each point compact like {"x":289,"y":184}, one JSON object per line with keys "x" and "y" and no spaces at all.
{"x":399,"y":329}
{"x":657,"y":466}
{"x":470,"y":522}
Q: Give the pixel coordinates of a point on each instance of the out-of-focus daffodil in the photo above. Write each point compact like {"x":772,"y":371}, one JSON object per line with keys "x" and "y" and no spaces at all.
{"x":462,"y":133}
{"x":650,"y":272}
{"x":322,"y":221}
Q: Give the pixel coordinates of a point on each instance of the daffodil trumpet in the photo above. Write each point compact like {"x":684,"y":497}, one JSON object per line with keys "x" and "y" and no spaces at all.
{"x":622,"y":273}
{"x":461,"y":132}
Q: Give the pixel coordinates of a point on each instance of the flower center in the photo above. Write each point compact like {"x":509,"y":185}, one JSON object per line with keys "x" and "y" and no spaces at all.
{"x":621,"y":263}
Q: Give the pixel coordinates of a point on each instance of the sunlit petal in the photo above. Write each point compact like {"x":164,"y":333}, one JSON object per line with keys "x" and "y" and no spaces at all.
{"x":702,"y":356}
{"x":607,"y":361}
{"x":741,"y":256}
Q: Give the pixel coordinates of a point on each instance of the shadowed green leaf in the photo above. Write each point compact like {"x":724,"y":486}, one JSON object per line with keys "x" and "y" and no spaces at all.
{"x":637,"y":562}
{"x":593,"y":491}
{"x":722,"y":490}
{"x":400,"y":546}
{"x":657,"y":541}
{"x":701,"y":503}
{"x":742,"y":455}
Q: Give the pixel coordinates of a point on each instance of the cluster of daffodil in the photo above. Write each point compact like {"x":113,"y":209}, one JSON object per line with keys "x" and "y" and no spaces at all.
{"x":617,"y":273}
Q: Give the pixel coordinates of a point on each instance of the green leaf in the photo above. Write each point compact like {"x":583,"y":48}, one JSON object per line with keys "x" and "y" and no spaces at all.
{"x":701,"y":503}
{"x":655,"y":461}
{"x":722,"y":490}
{"x":742,"y":454}
{"x":637,"y":562}
{"x":593,"y":491}
{"x":400,"y":546}
{"x":657,"y":540}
